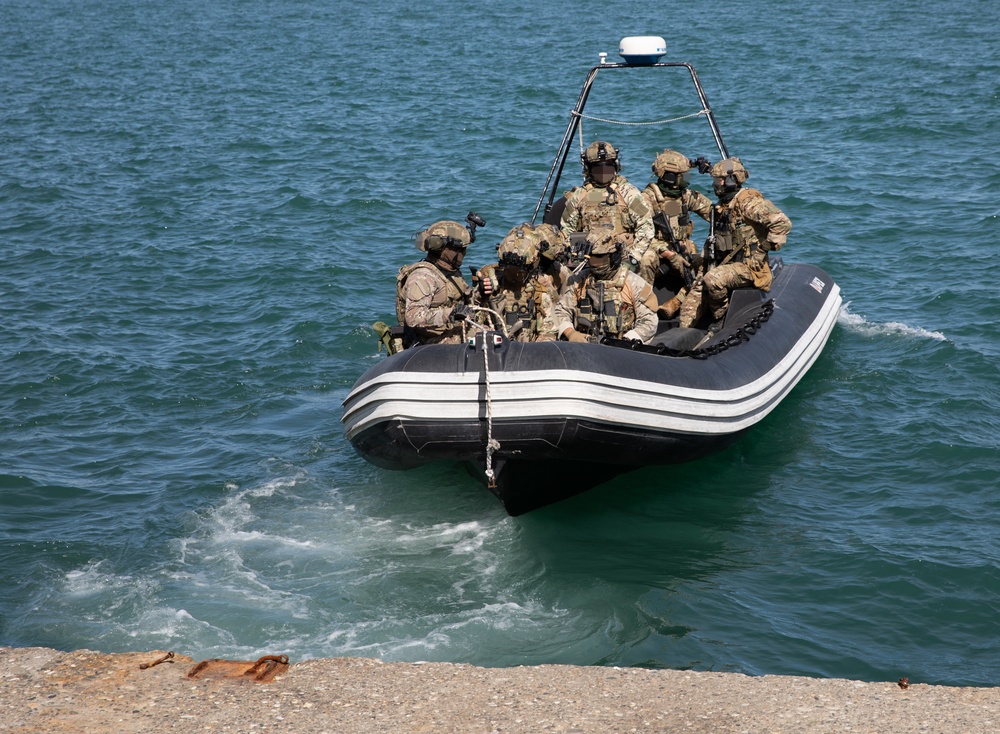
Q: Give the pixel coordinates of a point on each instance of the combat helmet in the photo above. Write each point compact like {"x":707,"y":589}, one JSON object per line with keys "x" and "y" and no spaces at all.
{"x":552,"y":241}
{"x":519,"y":248}
{"x":596,"y":153}
{"x":671,"y":161}
{"x":601,"y":151}
{"x":603,"y":240}
{"x":728,"y":175}
{"x":442,"y":234}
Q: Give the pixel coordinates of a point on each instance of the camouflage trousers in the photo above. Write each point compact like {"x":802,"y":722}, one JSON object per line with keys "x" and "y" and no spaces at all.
{"x":649,"y":265}
{"x":710,"y":293}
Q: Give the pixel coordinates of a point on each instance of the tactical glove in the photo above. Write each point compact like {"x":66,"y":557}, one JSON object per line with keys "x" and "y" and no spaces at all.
{"x":674,"y":259}
{"x":488,"y":285}
{"x":461,"y":312}
{"x":573,"y":335}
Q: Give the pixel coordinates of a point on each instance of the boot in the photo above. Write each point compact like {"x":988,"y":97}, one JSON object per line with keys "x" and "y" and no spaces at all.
{"x":669,"y":309}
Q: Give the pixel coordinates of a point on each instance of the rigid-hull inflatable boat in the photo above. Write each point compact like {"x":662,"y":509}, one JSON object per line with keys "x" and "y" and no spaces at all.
{"x":543,"y":421}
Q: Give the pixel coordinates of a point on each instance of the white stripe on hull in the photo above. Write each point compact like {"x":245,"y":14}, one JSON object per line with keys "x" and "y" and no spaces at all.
{"x":567,"y":393}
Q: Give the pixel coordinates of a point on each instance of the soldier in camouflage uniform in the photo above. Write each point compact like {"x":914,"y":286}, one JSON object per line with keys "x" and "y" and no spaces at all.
{"x":517,"y":289}
{"x":431,"y":296}
{"x":671,"y":202}
{"x":607,"y":198}
{"x":606,"y":298}
{"x":747,"y":227}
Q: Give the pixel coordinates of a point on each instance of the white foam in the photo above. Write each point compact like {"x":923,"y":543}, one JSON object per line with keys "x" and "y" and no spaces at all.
{"x":93,"y":580}
{"x":458,"y":537}
{"x":395,"y":638}
{"x":860,"y":324}
{"x":167,"y":626}
{"x":267,"y":558}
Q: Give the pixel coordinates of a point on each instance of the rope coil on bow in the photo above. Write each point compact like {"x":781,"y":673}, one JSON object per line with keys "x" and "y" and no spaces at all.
{"x":476,"y":326}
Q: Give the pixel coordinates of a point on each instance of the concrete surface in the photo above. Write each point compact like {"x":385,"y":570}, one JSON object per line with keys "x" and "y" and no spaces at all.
{"x":43,"y":690}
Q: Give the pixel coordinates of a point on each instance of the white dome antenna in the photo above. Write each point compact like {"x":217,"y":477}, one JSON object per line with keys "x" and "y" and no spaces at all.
{"x":642,"y":50}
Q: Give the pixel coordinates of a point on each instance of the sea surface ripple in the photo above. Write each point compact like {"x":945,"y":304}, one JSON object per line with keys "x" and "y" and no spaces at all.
{"x":203,"y":207}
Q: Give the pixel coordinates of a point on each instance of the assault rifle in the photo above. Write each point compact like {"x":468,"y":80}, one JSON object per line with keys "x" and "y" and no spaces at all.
{"x":662,"y":226}
{"x":710,"y":242}
{"x":601,"y":319}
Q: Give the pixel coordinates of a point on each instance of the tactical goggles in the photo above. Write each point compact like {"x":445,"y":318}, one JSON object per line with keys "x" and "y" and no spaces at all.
{"x":675,"y":180}
{"x":513,"y":260}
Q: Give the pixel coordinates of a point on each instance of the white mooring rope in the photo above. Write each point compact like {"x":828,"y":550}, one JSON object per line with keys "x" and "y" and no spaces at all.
{"x":628,"y":123}
{"x":491,"y":444}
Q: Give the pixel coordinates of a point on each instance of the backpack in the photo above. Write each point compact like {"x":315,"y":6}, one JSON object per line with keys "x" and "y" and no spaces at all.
{"x":401,"y":276}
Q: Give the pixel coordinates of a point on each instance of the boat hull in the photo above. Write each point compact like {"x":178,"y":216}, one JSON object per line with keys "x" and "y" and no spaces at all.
{"x":552,"y":408}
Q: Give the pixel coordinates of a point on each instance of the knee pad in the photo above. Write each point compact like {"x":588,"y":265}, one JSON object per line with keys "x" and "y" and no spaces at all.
{"x":714,"y":287}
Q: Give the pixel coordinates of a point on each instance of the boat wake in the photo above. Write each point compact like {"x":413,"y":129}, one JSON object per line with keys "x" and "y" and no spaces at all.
{"x":860,"y":324}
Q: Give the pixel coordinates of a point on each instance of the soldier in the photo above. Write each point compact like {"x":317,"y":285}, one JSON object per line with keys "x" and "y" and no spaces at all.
{"x":607,"y":198}
{"x":606,"y":298}
{"x":747,"y":227}
{"x":431,"y":296}
{"x":671,"y":202}
{"x":517,"y":289}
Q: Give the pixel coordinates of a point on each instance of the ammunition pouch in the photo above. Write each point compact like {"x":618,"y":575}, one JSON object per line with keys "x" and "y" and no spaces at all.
{"x":761,"y":272}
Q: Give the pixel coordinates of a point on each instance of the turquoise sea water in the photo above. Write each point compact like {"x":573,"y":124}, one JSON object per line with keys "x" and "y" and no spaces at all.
{"x":203,"y":206}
